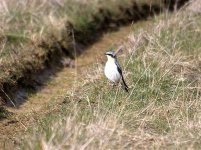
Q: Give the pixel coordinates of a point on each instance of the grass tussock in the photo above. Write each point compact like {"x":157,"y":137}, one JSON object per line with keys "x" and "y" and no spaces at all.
{"x":162,"y":109}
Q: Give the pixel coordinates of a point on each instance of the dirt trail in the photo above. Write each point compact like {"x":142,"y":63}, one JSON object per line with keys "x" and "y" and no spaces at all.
{"x":58,"y":85}
{"x":64,"y":80}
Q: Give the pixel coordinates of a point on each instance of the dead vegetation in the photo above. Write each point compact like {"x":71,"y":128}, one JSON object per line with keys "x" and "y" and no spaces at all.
{"x":162,"y":110}
{"x":35,"y":34}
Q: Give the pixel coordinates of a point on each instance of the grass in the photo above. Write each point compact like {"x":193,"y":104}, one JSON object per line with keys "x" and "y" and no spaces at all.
{"x":162,"y":109}
{"x":33,"y":32}
{"x":4,"y":113}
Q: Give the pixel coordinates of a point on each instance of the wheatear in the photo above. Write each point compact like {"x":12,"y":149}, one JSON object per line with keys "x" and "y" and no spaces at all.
{"x":113,"y":70}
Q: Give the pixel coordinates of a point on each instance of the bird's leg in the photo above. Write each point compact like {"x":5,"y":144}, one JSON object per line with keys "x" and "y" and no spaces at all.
{"x":119,"y":84}
{"x":114,"y":85}
{"x":111,"y":84}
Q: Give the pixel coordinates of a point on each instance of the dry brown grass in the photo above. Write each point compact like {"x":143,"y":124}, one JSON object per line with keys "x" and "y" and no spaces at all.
{"x":162,"y":110}
{"x":34,"y":33}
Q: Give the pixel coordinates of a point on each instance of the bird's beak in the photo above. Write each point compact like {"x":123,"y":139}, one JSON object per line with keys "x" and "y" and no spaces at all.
{"x":105,"y":53}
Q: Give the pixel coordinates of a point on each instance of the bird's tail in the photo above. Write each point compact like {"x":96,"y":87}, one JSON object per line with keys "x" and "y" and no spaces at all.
{"x":125,"y":87}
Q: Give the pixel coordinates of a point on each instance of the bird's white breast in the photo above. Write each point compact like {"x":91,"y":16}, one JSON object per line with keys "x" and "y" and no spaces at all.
{"x":111,"y":72}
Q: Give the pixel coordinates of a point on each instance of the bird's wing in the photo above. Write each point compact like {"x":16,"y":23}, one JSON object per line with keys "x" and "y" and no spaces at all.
{"x":118,"y":67}
{"x":120,"y":71}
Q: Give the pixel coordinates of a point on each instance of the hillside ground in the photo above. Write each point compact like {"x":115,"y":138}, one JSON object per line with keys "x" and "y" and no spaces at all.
{"x":162,"y":109}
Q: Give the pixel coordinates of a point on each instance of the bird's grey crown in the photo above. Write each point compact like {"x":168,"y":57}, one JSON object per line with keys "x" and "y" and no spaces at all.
{"x":110,"y":53}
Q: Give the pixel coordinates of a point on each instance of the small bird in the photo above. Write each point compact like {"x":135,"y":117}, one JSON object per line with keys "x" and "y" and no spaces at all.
{"x":113,"y":70}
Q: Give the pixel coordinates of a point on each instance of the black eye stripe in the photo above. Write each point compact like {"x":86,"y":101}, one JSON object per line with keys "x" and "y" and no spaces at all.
{"x":110,"y":55}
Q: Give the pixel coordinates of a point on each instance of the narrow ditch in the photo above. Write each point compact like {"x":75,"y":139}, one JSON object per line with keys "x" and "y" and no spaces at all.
{"x":32,"y":96}
{"x":57,"y":84}
{"x":34,"y":80}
